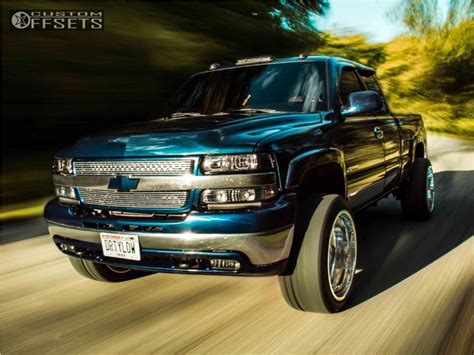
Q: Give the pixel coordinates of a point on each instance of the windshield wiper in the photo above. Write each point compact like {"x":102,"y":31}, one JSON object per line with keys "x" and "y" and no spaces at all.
{"x":256,"y":110}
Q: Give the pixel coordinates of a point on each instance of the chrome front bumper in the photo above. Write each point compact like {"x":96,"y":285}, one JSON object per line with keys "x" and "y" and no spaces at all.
{"x":261,"y":248}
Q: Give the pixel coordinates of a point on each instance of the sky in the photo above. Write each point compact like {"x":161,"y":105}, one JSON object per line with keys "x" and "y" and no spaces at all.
{"x":368,"y":17}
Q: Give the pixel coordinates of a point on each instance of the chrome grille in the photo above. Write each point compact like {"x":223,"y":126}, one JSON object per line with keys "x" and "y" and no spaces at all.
{"x":135,"y":167}
{"x":136,"y":199}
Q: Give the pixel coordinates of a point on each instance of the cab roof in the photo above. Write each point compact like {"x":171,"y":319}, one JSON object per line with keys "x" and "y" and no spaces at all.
{"x":301,"y":58}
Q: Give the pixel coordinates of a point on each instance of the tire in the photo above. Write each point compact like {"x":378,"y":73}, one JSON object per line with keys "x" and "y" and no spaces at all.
{"x":308,"y":288}
{"x":417,"y":197}
{"x":101,"y":272}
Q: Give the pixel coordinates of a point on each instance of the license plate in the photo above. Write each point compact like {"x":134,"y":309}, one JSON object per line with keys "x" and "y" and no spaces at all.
{"x":122,"y":246}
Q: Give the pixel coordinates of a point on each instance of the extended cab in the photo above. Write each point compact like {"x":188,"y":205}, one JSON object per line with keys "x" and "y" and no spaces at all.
{"x":255,"y":169}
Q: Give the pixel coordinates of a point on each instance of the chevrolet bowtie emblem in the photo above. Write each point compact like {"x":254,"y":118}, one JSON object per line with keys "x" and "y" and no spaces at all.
{"x":123,"y":184}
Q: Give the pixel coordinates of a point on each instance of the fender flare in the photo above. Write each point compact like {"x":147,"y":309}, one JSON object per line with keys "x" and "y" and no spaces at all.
{"x":417,"y":138}
{"x":311,"y":159}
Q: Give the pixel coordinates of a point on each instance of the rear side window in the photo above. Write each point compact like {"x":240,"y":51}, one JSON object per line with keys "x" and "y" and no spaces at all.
{"x":349,"y":83}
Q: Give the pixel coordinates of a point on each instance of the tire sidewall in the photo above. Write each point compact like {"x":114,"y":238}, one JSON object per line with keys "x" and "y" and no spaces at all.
{"x":337,"y":205}
{"x":308,"y":288}
{"x":415,"y":200}
{"x":100,"y":272}
{"x":113,"y":276}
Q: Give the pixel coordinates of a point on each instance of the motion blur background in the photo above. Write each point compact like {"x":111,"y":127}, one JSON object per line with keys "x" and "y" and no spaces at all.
{"x":57,"y":86}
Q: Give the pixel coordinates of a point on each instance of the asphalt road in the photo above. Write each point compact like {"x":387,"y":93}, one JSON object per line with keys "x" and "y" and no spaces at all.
{"x":414,"y":293}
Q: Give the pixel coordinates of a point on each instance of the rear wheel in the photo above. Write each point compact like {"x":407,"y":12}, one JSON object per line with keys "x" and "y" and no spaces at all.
{"x":323,"y":276}
{"x":101,"y":272}
{"x":418,"y":195}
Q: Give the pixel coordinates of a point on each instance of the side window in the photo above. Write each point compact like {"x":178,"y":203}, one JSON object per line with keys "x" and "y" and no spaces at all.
{"x":372,"y":84}
{"x":349,"y":84}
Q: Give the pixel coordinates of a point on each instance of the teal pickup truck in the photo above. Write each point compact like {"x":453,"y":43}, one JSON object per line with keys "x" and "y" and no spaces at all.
{"x":255,"y":168}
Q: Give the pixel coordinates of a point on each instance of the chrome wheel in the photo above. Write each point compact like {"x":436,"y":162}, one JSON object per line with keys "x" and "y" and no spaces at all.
{"x":430,"y":189}
{"x":342,"y":255}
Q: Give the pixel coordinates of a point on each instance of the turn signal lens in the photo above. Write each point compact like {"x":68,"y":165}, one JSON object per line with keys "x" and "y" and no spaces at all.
{"x":64,"y":191}
{"x":253,"y":194}
{"x":66,"y":195}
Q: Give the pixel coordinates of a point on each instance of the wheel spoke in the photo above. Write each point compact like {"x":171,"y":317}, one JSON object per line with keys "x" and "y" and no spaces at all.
{"x":342,"y":253}
{"x":430,"y":188}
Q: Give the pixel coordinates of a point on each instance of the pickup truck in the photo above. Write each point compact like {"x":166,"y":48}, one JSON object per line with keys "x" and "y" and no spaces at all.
{"x":255,"y":168}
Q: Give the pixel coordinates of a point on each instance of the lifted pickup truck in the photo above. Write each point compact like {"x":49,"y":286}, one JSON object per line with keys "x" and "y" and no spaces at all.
{"x":255,"y":169}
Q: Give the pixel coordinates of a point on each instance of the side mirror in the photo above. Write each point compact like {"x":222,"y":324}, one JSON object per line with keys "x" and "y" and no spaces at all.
{"x":362,"y":102}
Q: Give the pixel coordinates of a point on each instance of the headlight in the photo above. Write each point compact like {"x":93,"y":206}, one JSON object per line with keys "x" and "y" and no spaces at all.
{"x":214,"y":164}
{"x":63,"y":166}
{"x":253,"y":194}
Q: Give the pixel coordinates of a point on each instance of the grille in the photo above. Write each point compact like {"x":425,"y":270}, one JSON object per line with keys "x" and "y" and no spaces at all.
{"x":136,"y":199}
{"x":135,"y":168}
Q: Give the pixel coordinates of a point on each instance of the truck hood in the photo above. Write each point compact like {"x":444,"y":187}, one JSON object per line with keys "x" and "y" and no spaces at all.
{"x":187,"y":136}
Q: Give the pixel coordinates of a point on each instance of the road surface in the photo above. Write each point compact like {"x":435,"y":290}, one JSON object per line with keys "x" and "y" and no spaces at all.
{"x":414,"y":293}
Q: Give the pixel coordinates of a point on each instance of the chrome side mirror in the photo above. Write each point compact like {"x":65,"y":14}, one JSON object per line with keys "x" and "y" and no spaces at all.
{"x":362,"y":102}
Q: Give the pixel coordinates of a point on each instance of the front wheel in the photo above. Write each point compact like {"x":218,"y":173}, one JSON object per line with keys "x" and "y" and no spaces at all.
{"x":323,"y":276}
{"x":101,"y":272}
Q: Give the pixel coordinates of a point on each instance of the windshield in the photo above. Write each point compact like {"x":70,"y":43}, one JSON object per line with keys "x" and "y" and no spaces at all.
{"x":288,"y":87}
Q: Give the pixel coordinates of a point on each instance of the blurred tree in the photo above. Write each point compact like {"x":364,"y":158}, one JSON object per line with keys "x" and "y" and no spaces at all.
{"x":420,"y":16}
{"x":78,"y":81}
{"x":353,"y":47}
{"x":58,"y":85}
{"x":445,"y":42}
{"x":459,"y":11}
{"x":423,"y":17}
{"x":296,"y":16}
{"x":431,"y":70}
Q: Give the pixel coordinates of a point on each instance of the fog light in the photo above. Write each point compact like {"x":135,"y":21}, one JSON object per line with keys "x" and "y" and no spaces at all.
{"x":224,"y":264}
{"x":67,"y":247}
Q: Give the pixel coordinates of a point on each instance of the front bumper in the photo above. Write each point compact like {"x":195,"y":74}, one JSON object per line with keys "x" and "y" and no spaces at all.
{"x":260,"y":248}
{"x":259,"y":239}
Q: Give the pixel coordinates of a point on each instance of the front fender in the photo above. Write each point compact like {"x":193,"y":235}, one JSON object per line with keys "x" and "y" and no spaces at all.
{"x":309,"y":160}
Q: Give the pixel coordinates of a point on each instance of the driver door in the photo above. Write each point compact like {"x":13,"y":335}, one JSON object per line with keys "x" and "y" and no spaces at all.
{"x":362,"y":146}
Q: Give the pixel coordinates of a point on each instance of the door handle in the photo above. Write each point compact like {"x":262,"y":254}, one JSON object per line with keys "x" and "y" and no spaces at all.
{"x":378,"y":132}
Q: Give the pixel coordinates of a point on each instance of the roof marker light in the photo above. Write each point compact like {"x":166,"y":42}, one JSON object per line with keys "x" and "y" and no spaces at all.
{"x":254,"y":60}
{"x":214,"y":66}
